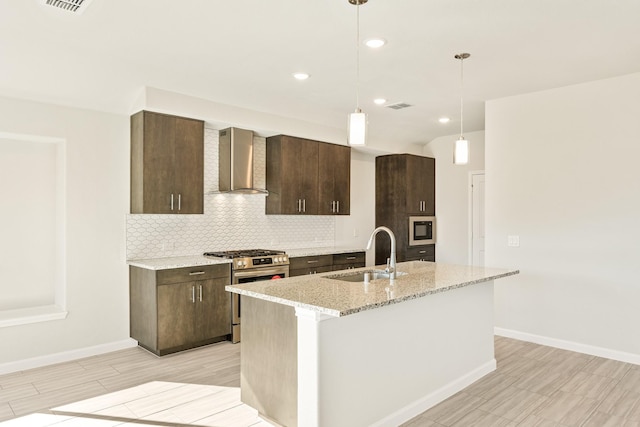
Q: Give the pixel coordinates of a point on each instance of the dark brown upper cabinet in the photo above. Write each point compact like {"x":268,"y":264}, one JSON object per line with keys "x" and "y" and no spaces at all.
{"x":306,"y":177}
{"x":334,"y":179}
{"x":421,"y":185}
{"x":167,"y":164}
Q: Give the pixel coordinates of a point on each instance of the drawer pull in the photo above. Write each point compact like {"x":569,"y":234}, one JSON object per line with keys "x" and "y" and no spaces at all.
{"x":423,"y":252}
{"x":196,"y":273}
{"x":351,"y":257}
{"x":312,"y":261}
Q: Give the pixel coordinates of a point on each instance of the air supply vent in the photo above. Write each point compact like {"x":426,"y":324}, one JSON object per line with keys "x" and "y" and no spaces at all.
{"x":75,"y":6}
{"x":399,"y":106}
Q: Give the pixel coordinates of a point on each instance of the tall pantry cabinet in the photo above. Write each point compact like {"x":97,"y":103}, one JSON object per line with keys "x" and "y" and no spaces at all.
{"x":405,"y":186}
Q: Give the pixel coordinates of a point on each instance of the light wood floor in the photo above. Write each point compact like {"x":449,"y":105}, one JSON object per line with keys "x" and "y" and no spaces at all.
{"x":533,"y":386}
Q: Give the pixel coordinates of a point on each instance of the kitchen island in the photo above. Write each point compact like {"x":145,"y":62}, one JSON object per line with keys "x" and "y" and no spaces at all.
{"x":332,"y":350}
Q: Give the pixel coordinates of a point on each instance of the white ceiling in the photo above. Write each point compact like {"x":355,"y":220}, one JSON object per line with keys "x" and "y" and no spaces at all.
{"x":243,"y":52}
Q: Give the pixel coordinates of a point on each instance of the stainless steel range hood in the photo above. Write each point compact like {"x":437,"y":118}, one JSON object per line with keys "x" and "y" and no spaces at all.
{"x":235,"y":164}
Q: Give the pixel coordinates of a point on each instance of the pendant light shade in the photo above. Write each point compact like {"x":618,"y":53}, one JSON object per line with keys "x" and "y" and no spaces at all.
{"x":461,"y":146}
{"x":358,"y":119}
{"x":461,"y":152}
{"x":357,"y":128}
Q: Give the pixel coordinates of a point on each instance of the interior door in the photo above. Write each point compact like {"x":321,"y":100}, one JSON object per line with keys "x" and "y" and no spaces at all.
{"x":477,"y":219}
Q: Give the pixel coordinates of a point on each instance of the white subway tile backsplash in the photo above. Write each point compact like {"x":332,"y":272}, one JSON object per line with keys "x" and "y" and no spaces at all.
{"x":230,"y":221}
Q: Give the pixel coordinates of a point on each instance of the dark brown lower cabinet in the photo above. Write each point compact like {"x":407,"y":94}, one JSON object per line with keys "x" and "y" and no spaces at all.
{"x":300,"y":266}
{"x":421,"y":253}
{"x":176,"y":309}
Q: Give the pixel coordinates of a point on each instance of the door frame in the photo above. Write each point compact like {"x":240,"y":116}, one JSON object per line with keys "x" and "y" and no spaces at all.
{"x":470,"y":213}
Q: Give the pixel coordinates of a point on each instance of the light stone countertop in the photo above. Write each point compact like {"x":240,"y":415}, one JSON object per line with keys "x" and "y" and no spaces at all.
{"x":195,"y":260}
{"x":296,"y":253}
{"x":176,"y":262}
{"x":337,"y":298}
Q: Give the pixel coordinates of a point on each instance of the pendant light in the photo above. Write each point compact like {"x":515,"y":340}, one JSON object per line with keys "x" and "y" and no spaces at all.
{"x":461,"y":146}
{"x":357,"y":119}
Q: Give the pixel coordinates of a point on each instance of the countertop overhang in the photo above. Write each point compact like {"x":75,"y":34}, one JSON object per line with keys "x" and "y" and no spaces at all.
{"x":337,"y":298}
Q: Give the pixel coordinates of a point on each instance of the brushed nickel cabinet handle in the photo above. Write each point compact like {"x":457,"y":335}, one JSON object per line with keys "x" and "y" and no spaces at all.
{"x":351,"y":257}
{"x":338,"y":206}
{"x":179,"y":201}
{"x":193,"y":294}
{"x":423,"y":252}
{"x":312,"y":261}
{"x":304,"y":205}
{"x":200,"y":293}
{"x":196,"y":273}
{"x":171,"y":201}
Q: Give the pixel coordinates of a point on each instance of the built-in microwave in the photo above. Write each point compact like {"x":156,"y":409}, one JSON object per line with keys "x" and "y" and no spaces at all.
{"x":422,"y":230}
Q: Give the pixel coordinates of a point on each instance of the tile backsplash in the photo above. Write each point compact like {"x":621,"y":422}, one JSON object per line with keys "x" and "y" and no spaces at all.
{"x":230,"y":221}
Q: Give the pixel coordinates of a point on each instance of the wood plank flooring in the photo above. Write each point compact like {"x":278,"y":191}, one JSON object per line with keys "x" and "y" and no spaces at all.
{"x":533,"y":386}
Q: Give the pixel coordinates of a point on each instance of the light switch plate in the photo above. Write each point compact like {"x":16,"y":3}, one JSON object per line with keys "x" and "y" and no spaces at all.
{"x":513,"y":241}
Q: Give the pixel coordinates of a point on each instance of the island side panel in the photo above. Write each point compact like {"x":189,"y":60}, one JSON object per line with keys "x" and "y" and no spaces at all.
{"x":383,"y":366}
{"x":269,"y":360}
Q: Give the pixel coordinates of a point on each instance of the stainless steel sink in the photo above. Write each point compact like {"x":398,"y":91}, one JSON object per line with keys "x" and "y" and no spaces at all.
{"x":362,"y":276}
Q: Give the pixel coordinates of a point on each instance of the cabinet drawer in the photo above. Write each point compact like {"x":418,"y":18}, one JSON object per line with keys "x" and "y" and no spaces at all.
{"x":425,"y":252}
{"x":310,"y":262}
{"x":188,"y":274}
{"x":310,"y":270}
{"x":349,"y":258}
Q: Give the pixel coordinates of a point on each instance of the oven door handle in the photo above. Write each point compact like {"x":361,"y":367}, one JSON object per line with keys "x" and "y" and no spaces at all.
{"x":259,"y":272}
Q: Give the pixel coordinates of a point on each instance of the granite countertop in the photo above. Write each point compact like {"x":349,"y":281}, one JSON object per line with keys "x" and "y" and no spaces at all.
{"x":195,"y":260}
{"x":176,"y":262}
{"x":338,"y":298}
{"x":296,"y":253}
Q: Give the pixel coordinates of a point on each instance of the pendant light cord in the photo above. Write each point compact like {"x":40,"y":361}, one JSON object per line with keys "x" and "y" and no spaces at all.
{"x":461,"y":95}
{"x":358,"y":57}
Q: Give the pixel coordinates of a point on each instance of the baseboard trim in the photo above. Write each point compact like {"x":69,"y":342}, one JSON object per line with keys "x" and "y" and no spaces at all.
{"x":620,"y":356}
{"x":429,"y":401}
{"x":66,"y":356}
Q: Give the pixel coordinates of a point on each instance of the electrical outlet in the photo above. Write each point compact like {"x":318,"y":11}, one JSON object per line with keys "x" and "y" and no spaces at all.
{"x":513,"y":241}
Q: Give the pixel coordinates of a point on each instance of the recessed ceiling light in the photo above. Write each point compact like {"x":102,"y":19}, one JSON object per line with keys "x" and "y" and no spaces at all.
{"x":301,"y":76}
{"x":375,"y":43}
{"x":379,"y":101}
{"x":444,"y":119}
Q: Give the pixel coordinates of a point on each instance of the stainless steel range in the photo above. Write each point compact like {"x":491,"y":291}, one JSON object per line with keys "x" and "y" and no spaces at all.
{"x":251,"y":265}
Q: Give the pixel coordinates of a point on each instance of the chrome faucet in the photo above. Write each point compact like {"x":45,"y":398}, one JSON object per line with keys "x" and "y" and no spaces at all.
{"x":391,"y":261}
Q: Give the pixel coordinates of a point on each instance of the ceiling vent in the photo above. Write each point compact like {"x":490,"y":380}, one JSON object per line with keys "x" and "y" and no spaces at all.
{"x":75,"y":6}
{"x":399,"y":106}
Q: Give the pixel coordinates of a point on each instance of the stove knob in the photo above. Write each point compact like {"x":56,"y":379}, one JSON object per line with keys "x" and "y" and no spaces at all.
{"x":278,"y":259}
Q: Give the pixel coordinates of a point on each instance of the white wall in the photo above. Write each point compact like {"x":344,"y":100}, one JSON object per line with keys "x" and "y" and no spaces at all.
{"x":354,"y":230}
{"x":452,"y":195}
{"x":97,"y":153}
{"x":562,"y":173}
{"x":97,"y":206}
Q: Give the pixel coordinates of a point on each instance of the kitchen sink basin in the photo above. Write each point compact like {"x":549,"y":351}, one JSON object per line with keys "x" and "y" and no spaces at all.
{"x":360,"y":276}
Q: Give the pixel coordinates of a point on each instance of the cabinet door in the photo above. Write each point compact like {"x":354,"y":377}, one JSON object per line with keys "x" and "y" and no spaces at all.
{"x":310,"y":270}
{"x":157,"y":163}
{"x":213,"y":308}
{"x":176,"y":311}
{"x":292,"y":176}
{"x":334,"y":179}
{"x":421,"y":190}
{"x":302,"y":155}
{"x":189,"y":166}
